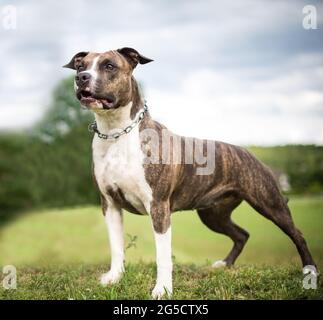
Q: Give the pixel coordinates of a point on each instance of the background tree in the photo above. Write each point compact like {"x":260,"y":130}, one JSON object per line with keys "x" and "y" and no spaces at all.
{"x":50,"y":165}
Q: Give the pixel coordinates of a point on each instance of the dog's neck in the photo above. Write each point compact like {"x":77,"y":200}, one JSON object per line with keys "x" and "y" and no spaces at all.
{"x":121,"y":117}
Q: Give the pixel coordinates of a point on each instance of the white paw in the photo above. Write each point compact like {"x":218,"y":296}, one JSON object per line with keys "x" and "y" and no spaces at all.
{"x":310,"y":269}
{"x":110,"y":277}
{"x":219,"y":264}
{"x":160,"y":290}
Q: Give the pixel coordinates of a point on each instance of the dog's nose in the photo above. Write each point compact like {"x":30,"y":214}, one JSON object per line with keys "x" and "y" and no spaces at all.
{"x":82,"y":77}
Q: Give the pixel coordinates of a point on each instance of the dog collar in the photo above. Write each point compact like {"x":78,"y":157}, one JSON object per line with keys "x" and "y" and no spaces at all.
{"x":139,"y":117}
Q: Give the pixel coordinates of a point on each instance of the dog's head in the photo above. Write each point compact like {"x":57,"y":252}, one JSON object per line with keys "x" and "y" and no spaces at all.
{"x":103,"y":80}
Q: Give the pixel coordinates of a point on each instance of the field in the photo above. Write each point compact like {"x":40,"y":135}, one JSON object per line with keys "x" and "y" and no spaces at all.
{"x":59,"y":254}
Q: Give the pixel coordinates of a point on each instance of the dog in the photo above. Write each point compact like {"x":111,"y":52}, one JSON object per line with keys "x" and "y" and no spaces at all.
{"x":134,"y":171}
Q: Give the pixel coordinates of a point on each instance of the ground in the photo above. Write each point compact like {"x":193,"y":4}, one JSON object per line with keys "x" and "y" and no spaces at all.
{"x":190,"y":282}
{"x":60,"y":254}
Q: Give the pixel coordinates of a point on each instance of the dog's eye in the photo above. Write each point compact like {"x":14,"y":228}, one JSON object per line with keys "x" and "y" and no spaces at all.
{"x":109,"y":66}
{"x":80,"y":68}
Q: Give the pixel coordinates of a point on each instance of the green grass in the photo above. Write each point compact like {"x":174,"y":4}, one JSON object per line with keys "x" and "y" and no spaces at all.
{"x":59,"y":254}
{"x":190,"y":282}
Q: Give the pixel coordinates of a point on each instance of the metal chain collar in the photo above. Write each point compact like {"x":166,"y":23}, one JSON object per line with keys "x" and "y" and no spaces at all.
{"x":94,"y":128}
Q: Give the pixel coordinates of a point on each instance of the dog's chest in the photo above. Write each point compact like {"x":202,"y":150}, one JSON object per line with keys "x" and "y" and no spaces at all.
{"x":118,"y":166}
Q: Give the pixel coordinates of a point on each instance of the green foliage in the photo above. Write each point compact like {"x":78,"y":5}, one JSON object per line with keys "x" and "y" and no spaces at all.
{"x":63,"y":114}
{"x":14,"y":187}
{"x":49,"y":165}
{"x":303,"y":165}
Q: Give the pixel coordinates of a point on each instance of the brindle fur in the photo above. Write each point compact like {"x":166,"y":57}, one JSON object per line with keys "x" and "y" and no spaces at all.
{"x":237,"y":176}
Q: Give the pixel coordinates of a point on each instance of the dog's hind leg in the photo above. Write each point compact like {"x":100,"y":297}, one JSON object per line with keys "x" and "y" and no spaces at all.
{"x":265,"y":197}
{"x":258,"y":186}
{"x":274,"y":207}
{"x":218,"y":219}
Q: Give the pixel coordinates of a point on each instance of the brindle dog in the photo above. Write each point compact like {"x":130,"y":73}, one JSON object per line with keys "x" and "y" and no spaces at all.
{"x":105,"y":85}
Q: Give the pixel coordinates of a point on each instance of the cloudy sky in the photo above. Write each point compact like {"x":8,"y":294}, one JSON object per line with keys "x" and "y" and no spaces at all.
{"x":245,"y":72}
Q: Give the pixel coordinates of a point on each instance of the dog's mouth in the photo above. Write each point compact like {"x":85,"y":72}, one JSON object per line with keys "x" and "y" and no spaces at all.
{"x":88,"y":99}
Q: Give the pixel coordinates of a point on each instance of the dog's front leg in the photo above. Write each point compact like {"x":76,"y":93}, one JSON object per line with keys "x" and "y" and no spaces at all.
{"x":160,"y":215}
{"x":113,"y":218}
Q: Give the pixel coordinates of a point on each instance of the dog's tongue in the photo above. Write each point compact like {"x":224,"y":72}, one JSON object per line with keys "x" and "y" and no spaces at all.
{"x":107,"y":104}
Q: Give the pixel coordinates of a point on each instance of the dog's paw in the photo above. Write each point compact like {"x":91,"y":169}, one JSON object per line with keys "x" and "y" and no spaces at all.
{"x":219,"y":264}
{"x":110,"y":277}
{"x":161,"y":290}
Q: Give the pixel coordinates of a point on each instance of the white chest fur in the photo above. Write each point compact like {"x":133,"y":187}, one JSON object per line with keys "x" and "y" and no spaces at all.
{"x":118,"y":164}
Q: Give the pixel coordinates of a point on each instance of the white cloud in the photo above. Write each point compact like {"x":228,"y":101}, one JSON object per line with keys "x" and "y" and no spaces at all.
{"x":216,"y":105}
{"x":240,"y":71}
{"x":19,"y":115}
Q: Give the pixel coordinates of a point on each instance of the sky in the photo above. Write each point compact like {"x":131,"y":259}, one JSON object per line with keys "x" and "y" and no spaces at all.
{"x":245,"y":72}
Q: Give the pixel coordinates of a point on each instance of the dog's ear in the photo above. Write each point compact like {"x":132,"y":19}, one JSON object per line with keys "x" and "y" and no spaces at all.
{"x":77,"y":58}
{"x":133,"y":56}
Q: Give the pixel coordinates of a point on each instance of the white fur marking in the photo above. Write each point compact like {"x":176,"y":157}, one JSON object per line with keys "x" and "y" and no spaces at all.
{"x":92,"y":71}
{"x":113,"y":218}
{"x":119,"y":163}
{"x":219,"y":264}
{"x":164,"y":264}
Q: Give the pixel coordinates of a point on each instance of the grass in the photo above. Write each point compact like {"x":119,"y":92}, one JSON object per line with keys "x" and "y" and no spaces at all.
{"x":190,"y":282}
{"x":59,"y":254}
